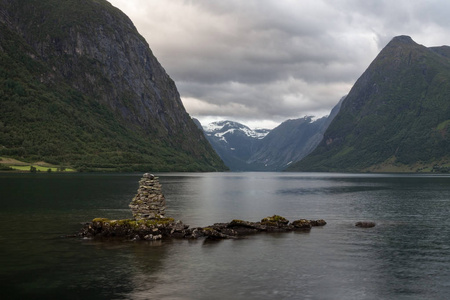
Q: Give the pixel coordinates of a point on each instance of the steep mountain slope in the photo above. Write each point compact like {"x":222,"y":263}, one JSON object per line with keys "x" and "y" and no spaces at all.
{"x":80,"y":86}
{"x":395,"y":118}
{"x":291,"y":141}
{"x":243,"y":149}
{"x":235,"y":143}
{"x":288,"y":142}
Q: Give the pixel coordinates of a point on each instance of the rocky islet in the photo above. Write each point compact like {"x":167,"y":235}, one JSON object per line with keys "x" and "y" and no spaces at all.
{"x":150,"y":223}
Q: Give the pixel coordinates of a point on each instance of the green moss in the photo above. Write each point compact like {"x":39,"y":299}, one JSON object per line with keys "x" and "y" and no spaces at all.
{"x":237,"y":221}
{"x":124,"y":223}
{"x":302,"y":223}
{"x":134,"y":224}
{"x":274,"y":219}
{"x":102,"y":220}
{"x":156,"y":222}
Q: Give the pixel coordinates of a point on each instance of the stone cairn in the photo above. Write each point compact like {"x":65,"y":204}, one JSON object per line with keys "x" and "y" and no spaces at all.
{"x":148,"y":223}
{"x":149,"y":203}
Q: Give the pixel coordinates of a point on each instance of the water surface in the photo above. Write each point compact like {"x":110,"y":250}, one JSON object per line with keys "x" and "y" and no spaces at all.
{"x":406,"y":256}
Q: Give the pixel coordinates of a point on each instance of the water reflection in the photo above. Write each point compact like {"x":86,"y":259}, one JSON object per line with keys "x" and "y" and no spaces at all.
{"x":407,"y":255}
{"x":410,"y":242}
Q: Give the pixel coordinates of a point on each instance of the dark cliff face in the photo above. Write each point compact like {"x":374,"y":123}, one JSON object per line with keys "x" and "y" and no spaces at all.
{"x":395,"y":117}
{"x":98,"y":50}
{"x":95,"y":49}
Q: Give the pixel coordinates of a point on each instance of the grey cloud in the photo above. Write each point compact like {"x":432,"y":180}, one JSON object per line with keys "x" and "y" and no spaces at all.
{"x":276,"y":59}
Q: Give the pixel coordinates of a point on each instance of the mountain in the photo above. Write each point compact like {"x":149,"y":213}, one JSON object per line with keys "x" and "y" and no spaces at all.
{"x":395,"y":118}
{"x":291,"y":141}
{"x":235,"y":143}
{"x":243,"y":149}
{"x":288,"y":142}
{"x":79,"y":86}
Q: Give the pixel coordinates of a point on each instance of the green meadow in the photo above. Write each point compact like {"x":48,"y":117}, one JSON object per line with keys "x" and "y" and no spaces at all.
{"x":10,"y":164}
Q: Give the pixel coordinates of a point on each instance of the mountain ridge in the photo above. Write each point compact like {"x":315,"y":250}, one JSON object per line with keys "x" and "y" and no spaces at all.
{"x":243,"y":149}
{"x":395,"y":117}
{"x":226,"y":126}
{"x":80,"y":86}
{"x":234,"y":143}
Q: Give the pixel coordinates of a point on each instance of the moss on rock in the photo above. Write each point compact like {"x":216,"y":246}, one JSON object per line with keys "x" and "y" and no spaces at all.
{"x":274,"y":220}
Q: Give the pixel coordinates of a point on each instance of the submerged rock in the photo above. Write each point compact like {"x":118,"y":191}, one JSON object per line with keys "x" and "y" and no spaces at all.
{"x":320,"y":222}
{"x":365,"y":224}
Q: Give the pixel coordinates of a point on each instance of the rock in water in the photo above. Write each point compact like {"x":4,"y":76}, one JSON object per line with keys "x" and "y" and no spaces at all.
{"x":149,"y":203}
{"x":148,"y":223}
{"x":365,"y":224}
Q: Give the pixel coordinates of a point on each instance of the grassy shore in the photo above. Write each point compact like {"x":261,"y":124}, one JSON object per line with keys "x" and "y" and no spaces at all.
{"x":14,"y":165}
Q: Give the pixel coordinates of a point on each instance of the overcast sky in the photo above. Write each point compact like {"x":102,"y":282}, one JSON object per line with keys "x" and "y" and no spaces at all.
{"x":261,"y":62}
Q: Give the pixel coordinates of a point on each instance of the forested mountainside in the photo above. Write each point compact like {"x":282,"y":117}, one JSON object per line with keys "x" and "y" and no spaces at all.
{"x":80,"y":87}
{"x":396,"y":117}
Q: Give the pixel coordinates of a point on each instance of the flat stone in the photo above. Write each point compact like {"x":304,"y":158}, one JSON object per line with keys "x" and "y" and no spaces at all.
{"x":148,"y":175}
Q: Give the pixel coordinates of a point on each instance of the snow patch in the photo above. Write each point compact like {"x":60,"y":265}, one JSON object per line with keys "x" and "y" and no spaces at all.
{"x":215,"y":126}
{"x":221,"y":128}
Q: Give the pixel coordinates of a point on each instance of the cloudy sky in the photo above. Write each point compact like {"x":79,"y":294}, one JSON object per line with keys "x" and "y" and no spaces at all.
{"x":261,"y":62}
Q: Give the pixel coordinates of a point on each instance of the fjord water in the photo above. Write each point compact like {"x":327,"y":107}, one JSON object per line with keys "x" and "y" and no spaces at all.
{"x":406,"y":256}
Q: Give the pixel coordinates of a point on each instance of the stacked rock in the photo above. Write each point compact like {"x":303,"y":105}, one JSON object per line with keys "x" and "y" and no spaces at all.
{"x":149,"y":203}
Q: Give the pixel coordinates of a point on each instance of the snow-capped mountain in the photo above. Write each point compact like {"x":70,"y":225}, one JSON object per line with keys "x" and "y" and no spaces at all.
{"x":223,"y":128}
{"x":244,"y":149}
{"x":234,"y":142}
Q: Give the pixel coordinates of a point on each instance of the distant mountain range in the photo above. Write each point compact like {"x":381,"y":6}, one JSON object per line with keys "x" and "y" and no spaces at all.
{"x":80,"y":87}
{"x":235,"y":143}
{"x":244,"y":149}
{"x":396,"y":117}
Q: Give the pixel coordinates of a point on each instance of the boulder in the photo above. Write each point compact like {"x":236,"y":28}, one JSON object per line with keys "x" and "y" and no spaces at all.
{"x":302,"y":224}
{"x":274,"y":220}
{"x":320,"y":222}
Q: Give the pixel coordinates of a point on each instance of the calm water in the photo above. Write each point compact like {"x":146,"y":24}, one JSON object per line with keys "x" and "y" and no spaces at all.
{"x":406,"y":256}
